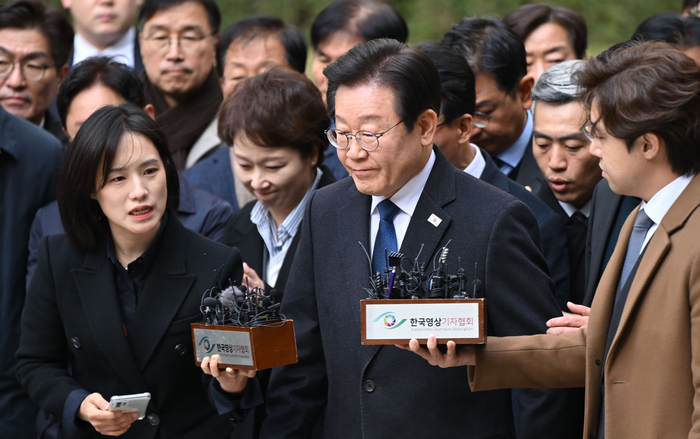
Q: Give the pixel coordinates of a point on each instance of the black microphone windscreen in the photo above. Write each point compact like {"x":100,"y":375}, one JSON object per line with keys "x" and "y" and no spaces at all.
{"x":478,"y":287}
{"x":210,"y":302}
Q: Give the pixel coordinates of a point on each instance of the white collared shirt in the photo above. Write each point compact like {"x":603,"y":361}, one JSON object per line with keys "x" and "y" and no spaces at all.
{"x":570,"y":209}
{"x":476,"y":167}
{"x":406,"y":200}
{"x":512,"y":156}
{"x":122,"y":51}
{"x":278,"y":239}
{"x":661,"y":202}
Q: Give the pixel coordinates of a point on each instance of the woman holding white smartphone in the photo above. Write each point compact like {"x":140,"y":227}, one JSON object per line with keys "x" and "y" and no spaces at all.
{"x":109,"y":309}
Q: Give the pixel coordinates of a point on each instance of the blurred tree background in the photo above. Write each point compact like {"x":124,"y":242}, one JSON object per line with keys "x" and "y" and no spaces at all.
{"x":608,"y":21}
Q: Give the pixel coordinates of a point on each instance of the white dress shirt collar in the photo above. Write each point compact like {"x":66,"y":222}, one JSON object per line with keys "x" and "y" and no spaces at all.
{"x":661,"y":202}
{"x":570,"y":209}
{"x":406,"y":199}
{"x":121,"y":51}
{"x":476,"y":167}
{"x":512,"y":156}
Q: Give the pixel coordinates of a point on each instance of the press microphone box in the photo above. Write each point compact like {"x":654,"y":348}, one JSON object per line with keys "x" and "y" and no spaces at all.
{"x":246,"y":347}
{"x":397,"y":321}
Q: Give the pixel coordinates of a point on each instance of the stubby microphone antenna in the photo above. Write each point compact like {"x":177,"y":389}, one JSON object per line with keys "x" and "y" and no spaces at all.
{"x":478,"y":286}
{"x":368,"y":258}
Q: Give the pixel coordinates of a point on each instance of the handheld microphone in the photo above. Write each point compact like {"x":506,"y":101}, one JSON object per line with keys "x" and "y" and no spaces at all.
{"x":437,"y":280}
{"x":209,"y":304}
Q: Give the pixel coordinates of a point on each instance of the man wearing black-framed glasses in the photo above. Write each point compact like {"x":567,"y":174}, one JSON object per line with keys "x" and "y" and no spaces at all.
{"x":502,"y":120}
{"x":35,"y":42}
{"x":178,"y":46}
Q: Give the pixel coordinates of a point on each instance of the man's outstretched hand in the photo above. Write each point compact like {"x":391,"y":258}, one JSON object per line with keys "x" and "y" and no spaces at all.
{"x":570,"y":322}
{"x":454,"y":356}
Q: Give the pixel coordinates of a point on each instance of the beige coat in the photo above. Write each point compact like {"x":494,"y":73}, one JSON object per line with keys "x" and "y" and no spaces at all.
{"x":652,"y":375}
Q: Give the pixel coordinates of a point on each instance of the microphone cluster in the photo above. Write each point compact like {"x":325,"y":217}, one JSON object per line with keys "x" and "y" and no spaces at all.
{"x":416,"y":283}
{"x":240,"y":305}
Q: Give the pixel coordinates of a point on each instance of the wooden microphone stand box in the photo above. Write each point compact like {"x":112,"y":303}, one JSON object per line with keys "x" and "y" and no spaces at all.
{"x":397,"y":321}
{"x":244,"y":347}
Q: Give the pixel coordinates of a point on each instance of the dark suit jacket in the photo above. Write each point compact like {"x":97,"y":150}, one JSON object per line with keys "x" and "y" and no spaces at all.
{"x":214,"y":175}
{"x":383,"y":391}
{"x":242,"y":233}
{"x":528,"y":173}
{"x":53,"y":125}
{"x":30,"y":161}
{"x":72,"y":322}
{"x":603,"y":226}
{"x":552,"y":228}
{"x":576,"y":232}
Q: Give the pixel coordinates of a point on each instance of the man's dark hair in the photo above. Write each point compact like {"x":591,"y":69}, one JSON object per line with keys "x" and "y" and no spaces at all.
{"x":684,"y":32}
{"x":93,"y":151}
{"x":688,"y":4}
{"x":368,"y":20}
{"x":526,"y":18}
{"x":49,"y":20}
{"x":277,"y":108}
{"x":652,"y":87}
{"x":456,"y":80}
{"x":608,"y":53}
{"x":151,"y":7}
{"x":408,"y":72}
{"x":102,"y":70}
{"x":248,"y":29}
{"x":490,"y":47}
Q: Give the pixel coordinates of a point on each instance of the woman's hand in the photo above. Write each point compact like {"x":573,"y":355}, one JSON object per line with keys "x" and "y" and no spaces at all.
{"x":231,"y":380}
{"x":251,"y":278}
{"x":95,"y":410}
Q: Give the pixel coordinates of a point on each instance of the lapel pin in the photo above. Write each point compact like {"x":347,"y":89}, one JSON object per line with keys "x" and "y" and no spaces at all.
{"x":434,"y":220}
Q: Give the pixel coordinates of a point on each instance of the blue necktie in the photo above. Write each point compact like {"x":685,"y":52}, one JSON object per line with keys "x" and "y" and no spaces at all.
{"x":642,"y":224}
{"x":386,"y":236}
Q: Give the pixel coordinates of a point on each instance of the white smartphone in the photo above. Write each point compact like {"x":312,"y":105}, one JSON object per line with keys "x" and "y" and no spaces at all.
{"x":137,"y":402}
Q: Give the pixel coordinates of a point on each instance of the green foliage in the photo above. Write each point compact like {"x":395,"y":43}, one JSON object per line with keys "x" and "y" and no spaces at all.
{"x":608,"y":21}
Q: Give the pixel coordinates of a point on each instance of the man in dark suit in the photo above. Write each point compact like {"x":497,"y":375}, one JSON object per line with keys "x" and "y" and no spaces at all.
{"x":502,"y":120}
{"x":452,"y":136}
{"x":30,"y":160}
{"x":561,"y":150}
{"x":387,"y":96}
{"x":35,"y":41}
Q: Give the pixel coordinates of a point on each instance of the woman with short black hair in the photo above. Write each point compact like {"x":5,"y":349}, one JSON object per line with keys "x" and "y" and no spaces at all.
{"x":109,"y":309}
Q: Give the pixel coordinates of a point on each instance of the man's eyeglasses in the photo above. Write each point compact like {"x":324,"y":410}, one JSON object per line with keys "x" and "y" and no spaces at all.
{"x":587,"y":130}
{"x":481,"y":119}
{"x":366,"y":139}
{"x":161,"y":44}
{"x":31,"y":70}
